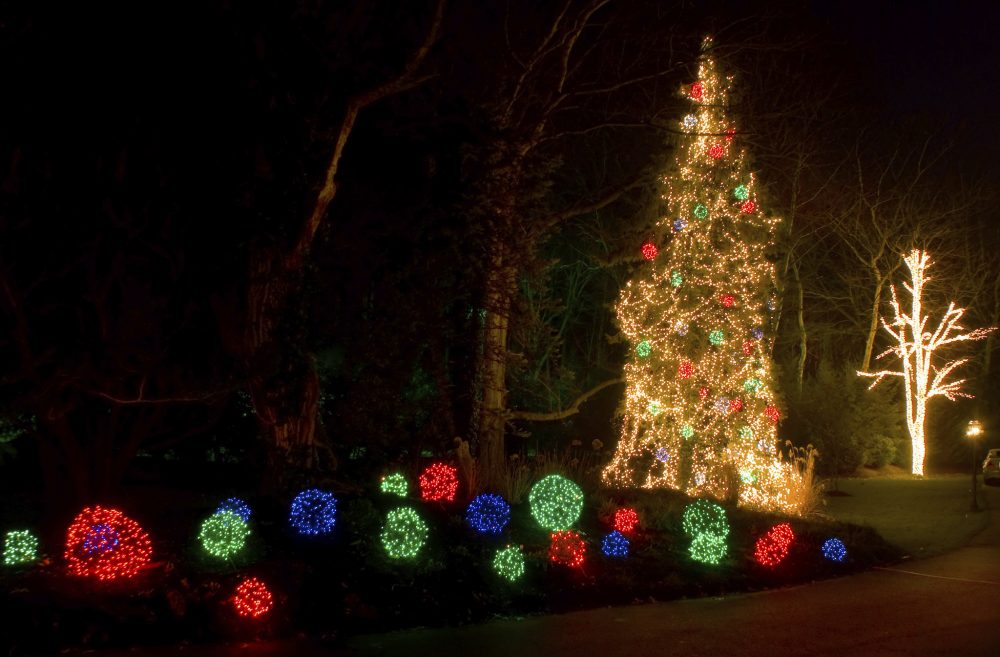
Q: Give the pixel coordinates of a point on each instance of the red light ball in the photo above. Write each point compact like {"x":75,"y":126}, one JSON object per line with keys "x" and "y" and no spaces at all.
{"x":748,"y":347}
{"x":626,"y":520}
{"x":439,"y":483}
{"x":736,"y":404}
{"x":717,"y":151}
{"x":685,"y":369}
{"x":697,"y":90}
{"x":703,"y":392}
{"x":567,"y":548}
{"x":748,"y":207}
{"x":727,"y":300}
{"x":773,"y":414}
{"x":252,"y":598}
{"x":106,"y":544}
{"x":649,"y":251}
{"x":772,"y":547}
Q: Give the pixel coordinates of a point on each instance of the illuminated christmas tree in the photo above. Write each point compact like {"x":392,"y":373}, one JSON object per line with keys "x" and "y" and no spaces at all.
{"x":700,"y":414}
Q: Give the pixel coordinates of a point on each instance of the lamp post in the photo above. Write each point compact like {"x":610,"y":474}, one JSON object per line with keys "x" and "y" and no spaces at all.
{"x":973,"y":431}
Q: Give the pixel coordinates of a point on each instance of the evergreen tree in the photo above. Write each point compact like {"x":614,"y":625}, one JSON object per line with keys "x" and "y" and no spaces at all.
{"x":700,"y":411}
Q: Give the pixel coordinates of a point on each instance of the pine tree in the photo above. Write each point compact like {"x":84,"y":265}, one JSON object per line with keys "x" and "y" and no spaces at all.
{"x":700,"y":414}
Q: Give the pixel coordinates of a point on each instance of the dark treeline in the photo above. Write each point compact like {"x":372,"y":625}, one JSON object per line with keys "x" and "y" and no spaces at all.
{"x":183,"y":282}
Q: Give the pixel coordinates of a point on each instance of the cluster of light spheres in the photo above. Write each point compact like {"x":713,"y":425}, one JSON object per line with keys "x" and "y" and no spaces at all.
{"x":772,"y":548}
{"x":509,"y":563}
{"x":567,"y":548}
{"x":707,"y":525}
{"x":395,"y":484}
{"x":439,"y":483}
{"x":20,"y":547}
{"x":488,"y":514}
{"x":626,"y":520}
{"x":224,"y":534}
{"x":252,"y":598}
{"x":834,"y":550}
{"x":313,"y":512}
{"x":106,"y":544}
{"x":556,"y":502}
{"x":237,"y":506}
{"x":709,"y":287}
{"x":404,"y":533}
{"x":615,"y":544}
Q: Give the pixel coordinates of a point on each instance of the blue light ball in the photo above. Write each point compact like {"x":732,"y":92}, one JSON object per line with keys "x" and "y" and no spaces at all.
{"x":662,"y":455}
{"x":757,"y":333}
{"x":314,"y":512}
{"x":236,"y":506}
{"x":488,"y":514}
{"x":834,"y":549}
{"x":100,"y":539}
{"x":679,"y":224}
{"x":615,"y":544}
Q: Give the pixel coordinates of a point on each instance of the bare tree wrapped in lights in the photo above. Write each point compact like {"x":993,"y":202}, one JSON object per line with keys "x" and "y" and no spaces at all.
{"x":915,"y":347}
{"x":700,"y":414}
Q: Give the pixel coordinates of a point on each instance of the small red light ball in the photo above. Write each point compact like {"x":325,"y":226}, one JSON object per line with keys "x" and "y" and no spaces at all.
{"x":748,"y":347}
{"x":439,"y":483}
{"x":697,"y":90}
{"x":649,"y":251}
{"x":567,"y":548}
{"x":626,"y":520}
{"x":727,"y":300}
{"x":736,"y":404}
{"x":685,"y":369}
{"x":252,"y":598}
{"x":703,"y":392}
{"x":773,"y":414}
{"x":748,"y":207}
{"x":717,"y":151}
{"x":772,"y":547}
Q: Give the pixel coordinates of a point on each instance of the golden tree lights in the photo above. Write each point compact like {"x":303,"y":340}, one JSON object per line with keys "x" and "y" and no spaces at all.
{"x":699,"y":409}
{"x":915,"y":346}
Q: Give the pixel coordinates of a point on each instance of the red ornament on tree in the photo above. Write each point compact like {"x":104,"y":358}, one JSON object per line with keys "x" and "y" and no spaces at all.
{"x":736,"y":404}
{"x":697,"y":90}
{"x":567,"y":548}
{"x":649,"y":251}
{"x":772,"y":547}
{"x":685,"y":369}
{"x":106,"y":544}
{"x":439,"y":483}
{"x":727,"y":300}
{"x":773,"y":414}
{"x":703,"y":392}
{"x":717,"y":151}
{"x":748,"y":207}
{"x":252,"y":598}
{"x":626,"y":520}
{"x":748,"y":346}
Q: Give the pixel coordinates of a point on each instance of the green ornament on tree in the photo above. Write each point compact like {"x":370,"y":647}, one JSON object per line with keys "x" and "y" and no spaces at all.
{"x":556,"y":502}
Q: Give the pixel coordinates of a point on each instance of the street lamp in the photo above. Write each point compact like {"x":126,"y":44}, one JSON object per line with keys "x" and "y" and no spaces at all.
{"x":973,"y":431}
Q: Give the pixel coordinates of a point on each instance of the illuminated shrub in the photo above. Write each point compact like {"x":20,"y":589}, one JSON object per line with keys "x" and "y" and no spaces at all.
{"x":509,"y":563}
{"x":488,"y":514}
{"x":252,"y":598}
{"x":223,"y":534}
{"x":404,"y":533}
{"x":106,"y":544}
{"x":439,"y":483}
{"x":772,"y":547}
{"x":313,"y":512}
{"x":556,"y":502}
{"x":20,"y":547}
{"x":567,"y":548}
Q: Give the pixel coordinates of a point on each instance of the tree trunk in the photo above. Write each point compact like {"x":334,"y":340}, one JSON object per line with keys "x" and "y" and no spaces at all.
{"x":500,"y":290}
{"x":800,"y":372}
{"x":873,"y":323}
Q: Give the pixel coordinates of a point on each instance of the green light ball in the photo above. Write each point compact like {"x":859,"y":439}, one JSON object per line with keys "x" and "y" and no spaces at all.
{"x":404,"y":533}
{"x":704,"y":517}
{"x":746,"y":433}
{"x":700,"y":211}
{"x":643,"y":349}
{"x":223,"y":534}
{"x":20,"y":547}
{"x":509,"y":563}
{"x":741,"y":193}
{"x":753,"y":385}
{"x":676,"y":279}
{"x":708,"y":549}
{"x":556,"y":502}
{"x":395,"y":484}
{"x":687,"y":431}
{"x":654,"y":408}
{"x":717,"y":337}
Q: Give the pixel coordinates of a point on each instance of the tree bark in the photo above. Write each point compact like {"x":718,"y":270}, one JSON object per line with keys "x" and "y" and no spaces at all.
{"x":873,"y":323}
{"x":803,"y":344}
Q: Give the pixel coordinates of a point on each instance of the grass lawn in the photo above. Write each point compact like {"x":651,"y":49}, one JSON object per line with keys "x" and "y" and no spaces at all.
{"x":922,"y":516}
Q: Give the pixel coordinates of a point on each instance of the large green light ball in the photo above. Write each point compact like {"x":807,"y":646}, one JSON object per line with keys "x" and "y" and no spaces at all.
{"x":717,"y":337}
{"x":556,"y":502}
{"x":395,"y":484}
{"x":404,"y":533}
{"x":708,"y":549}
{"x":704,"y":517}
{"x":20,"y":547}
{"x":224,"y":534}
{"x":741,"y":193}
{"x":700,"y":211}
{"x":509,"y":563}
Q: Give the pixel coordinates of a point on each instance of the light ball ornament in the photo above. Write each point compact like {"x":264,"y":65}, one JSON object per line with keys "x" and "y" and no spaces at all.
{"x":488,"y":514}
{"x":707,"y":524}
{"x":727,"y":300}
{"x":509,"y":563}
{"x":654,"y":408}
{"x":690,"y":121}
{"x":772,"y":414}
{"x":700,"y":211}
{"x":717,"y":337}
{"x":395,"y":484}
{"x":746,"y":433}
{"x":697,"y":90}
{"x":703,"y":392}
{"x":404,"y":533}
{"x":649,"y":251}
{"x":834,"y":550}
{"x":662,"y":455}
{"x":748,"y":207}
{"x":753,"y":385}
{"x":20,"y":547}
{"x":615,"y":544}
{"x":685,"y":369}
{"x":722,"y":405}
{"x":741,"y":193}
{"x":556,"y":502}
{"x":252,"y":598}
{"x":625,"y":520}
{"x":717,"y":151}
{"x":681,"y":327}
{"x":223,"y":534}
{"x":237,"y":506}
{"x":313,"y":512}
{"x":679,"y":224}
{"x":748,"y":347}
{"x":687,"y":431}
{"x":735,"y":405}
{"x":643,"y":349}
{"x":567,"y":548}
{"x":772,"y":548}
{"x":757,"y":333}
{"x":676,"y":279}
{"x":439,"y":483}
{"x":106,"y":544}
